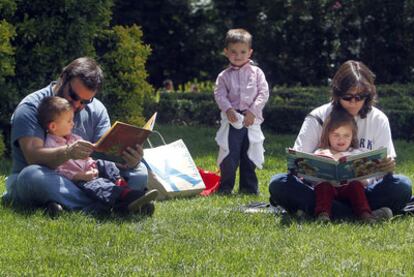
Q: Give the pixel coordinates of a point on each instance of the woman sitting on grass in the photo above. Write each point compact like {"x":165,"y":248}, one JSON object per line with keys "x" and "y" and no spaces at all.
{"x":353,"y":90}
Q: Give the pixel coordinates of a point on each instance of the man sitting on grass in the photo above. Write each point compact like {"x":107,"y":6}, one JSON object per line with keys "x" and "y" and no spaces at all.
{"x":33,"y":182}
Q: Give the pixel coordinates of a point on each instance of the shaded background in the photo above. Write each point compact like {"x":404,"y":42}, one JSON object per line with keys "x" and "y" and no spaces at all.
{"x":141,"y":43}
{"x":295,"y":42}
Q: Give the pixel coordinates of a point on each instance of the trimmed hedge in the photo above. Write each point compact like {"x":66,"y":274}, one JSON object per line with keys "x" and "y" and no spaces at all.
{"x":184,"y":108}
{"x":286,"y":109}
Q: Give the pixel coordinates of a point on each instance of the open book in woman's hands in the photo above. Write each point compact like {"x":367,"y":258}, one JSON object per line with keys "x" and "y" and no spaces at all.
{"x":317,"y":168}
{"x":121,"y":135}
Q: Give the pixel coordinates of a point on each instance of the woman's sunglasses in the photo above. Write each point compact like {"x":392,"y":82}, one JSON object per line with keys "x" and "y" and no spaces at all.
{"x":357,"y":97}
{"x":75,"y":96}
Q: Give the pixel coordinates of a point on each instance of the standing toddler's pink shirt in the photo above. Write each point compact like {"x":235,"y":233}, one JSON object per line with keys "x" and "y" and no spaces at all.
{"x":242,"y":88}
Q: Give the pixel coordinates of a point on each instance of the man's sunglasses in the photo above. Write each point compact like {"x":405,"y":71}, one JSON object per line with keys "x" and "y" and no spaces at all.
{"x":357,"y":97}
{"x":75,"y":96}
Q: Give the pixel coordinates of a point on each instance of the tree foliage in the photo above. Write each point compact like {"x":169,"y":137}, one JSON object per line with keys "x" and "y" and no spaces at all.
{"x":7,"y":66}
{"x":51,"y":33}
{"x":123,"y":59}
{"x":38,"y":38}
{"x":182,"y":37}
{"x":295,"y":42}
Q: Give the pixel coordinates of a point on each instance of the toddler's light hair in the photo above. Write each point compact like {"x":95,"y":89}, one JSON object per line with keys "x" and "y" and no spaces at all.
{"x":238,"y":35}
{"x":51,"y":108}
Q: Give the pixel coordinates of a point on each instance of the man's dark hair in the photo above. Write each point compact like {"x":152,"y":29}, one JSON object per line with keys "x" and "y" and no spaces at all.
{"x":84,"y":68}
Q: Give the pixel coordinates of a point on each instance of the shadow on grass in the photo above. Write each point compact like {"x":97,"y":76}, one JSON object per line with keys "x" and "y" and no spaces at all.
{"x":100,"y":217}
{"x":30,"y":211}
{"x":289,"y":219}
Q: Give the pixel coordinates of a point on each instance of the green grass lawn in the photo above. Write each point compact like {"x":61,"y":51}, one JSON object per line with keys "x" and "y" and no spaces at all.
{"x":206,"y":236}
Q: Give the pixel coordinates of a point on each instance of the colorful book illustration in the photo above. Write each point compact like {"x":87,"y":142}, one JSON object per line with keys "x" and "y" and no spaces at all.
{"x":121,"y":135}
{"x":319,"y":168}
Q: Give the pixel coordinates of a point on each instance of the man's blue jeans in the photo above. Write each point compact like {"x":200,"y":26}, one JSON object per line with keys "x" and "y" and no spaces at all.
{"x":37,"y":185}
{"x":290,"y":192}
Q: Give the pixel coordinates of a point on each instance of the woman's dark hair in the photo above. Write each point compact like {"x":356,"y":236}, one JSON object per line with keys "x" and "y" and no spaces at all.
{"x":51,"y":108}
{"x":84,"y":68}
{"x":354,"y":75}
{"x":337,"y":118}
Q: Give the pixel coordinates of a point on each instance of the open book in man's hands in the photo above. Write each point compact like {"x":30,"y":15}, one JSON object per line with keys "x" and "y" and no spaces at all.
{"x":121,"y":135}
{"x":318,"y":168}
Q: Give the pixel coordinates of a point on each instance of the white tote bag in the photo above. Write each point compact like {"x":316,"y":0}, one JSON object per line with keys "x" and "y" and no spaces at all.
{"x":172,"y":171}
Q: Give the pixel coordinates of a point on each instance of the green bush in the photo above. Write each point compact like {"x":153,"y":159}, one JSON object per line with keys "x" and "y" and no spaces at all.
{"x":8,"y":90}
{"x":38,"y":38}
{"x":185,"y":108}
{"x":2,"y":145}
{"x":7,"y":32}
{"x":52,"y":33}
{"x":401,"y":124}
{"x":123,"y":57}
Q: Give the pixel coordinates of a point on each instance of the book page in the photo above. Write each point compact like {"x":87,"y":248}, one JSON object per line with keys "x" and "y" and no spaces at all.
{"x":317,"y":168}
{"x":121,"y":136}
{"x":151,"y":122}
{"x":312,"y":167}
{"x":361,"y":166}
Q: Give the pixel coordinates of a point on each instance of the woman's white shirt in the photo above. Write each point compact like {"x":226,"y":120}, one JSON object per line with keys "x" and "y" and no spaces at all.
{"x":373,"y":131}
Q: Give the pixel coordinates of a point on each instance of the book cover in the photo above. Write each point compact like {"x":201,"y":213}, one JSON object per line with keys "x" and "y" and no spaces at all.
{"x":120,"y":136}
{"x":318,"y":168}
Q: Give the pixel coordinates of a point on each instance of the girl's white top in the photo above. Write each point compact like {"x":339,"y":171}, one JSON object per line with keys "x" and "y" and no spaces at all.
{"x":373,"y":131}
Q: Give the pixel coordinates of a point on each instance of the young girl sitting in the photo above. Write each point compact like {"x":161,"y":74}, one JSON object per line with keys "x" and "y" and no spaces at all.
{"x":339,"y":139}
{"x":99,"y":179}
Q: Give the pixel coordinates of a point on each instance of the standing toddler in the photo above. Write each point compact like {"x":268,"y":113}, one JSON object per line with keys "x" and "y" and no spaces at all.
{"x":241,"y":93}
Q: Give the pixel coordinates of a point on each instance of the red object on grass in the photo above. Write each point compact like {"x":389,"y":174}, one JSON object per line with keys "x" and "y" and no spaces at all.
{"x":211,"y":180}
{"x":121,"y":183}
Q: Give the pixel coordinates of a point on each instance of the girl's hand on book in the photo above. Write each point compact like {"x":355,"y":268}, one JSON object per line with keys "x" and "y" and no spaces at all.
{"x":386,"y":165}
{"x":132,"y":156}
